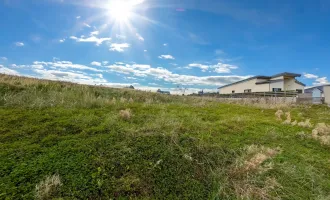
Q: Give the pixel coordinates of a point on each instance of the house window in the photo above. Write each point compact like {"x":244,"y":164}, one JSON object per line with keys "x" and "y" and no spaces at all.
{"x":299,"y":91}
{"x":277,"y":89}
{"x":247,"y":91}
{"x":233,"y":91}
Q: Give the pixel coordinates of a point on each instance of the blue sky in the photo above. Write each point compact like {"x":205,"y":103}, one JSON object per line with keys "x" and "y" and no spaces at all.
{"x":165,"y":44}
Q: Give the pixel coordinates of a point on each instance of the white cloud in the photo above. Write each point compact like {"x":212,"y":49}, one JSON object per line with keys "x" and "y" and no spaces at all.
{"x":3,"y":58}
{"x":87,"y":25}
{"x":145,"y":50}
{"x":105,"y":62}
{"x":64,"y":65}
{"x":19,"y":44}
{"x":5,"y":70}
{"x":94,"y":33}
{"x":120,"y":36}
{"x":168,"y":76}
{"x":120,"y":47}
{"x":165,"y":44}
{"x":139,"y":37}
{"x":321,"y":81}
{"x":310,"y":76}
{"x":222,"y":68}
{"x":219,"y":52}
{"x":71,"y":76}
{"x":96,"y":63}
{"x":78,"y":17}
{"x":62,"y":40}
{"x":204,"y":68}
{"x":93,"y":39}
{"x":167,"y":57}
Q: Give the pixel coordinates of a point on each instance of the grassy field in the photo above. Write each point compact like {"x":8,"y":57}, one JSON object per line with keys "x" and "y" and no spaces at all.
{"x":66,"y":141}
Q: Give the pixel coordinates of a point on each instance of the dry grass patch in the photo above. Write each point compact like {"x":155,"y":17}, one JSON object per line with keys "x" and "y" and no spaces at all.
{"x":48,"y":188}
{"x":322,"y":133}
{"x":245,"y":176}
{"x":279,"y":114}
{"x":125,"y":114}
{"x":288,"y":118}
{"x":306,"y":124}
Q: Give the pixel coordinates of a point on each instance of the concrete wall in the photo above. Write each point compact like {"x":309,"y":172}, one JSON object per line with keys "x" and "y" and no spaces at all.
{"x":326,"y":90}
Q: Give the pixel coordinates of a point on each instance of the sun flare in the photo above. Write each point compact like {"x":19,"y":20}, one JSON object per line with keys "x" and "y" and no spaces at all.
{"x":120,"y":10}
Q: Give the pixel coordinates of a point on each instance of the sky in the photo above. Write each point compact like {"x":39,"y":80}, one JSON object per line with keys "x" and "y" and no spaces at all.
{"x":186,"y":45}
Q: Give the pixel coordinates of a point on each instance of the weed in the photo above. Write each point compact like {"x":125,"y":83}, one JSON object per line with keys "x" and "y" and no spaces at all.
{"x":48,"y":188}
{"x":125,"y":114}
{"x":279,"y":114}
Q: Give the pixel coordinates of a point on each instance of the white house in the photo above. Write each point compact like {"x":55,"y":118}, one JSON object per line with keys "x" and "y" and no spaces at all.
{"x":277,"y":83}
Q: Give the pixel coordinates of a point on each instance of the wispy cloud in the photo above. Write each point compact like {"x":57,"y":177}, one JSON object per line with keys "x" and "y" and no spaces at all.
{"x":95,"y":63}
{"x":165,"y":44}
{"x":120,"y":36}
{"x":166,"y":57}
{"x":223,"y":68}
{"x":139,"y":37}
{"x":62,"y":40}
{"x":197,"y":39}
{"x":5,"y":70}
{"x":105,"y":62}
{"x":219,"y":52}
{"x":94,"y":33}
{"x":310,"y":76}
{"x":204,"y":68}
{"x":64,"y":65}
{"x":87,"y":25}
{"x":3,"y":58}
{"x":120,"y":47}
{"x":78,"y":17}
{"x":168,"y":76}
{"x":19,"y":44}
{"x":93,"y":39}
{"x":321,"y":81}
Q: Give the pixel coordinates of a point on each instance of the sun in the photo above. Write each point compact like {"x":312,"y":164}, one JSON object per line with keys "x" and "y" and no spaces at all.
{"x":120,"y":10}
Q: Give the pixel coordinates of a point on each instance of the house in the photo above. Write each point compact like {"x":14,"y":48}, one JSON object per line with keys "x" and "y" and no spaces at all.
{"x":317,"y":92}
{"x":277,"y":83}
{"x":163,"y":92}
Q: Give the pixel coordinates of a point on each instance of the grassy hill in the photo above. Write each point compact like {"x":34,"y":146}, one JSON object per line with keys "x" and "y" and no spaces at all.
{"x":67,"y":141}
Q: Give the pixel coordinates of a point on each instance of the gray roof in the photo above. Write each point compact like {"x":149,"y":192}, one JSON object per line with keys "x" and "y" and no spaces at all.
{"x":266,"y":77}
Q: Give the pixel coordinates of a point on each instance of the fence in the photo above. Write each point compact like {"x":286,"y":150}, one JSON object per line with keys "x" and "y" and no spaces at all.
{"x":259,"y":94}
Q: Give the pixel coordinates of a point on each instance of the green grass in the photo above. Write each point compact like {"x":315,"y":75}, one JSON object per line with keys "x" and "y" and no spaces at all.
{"x":170,"y":148}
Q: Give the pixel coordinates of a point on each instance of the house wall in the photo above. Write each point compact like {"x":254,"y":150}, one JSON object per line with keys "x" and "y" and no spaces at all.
{"x":279,"y":84}
{"x":326,"y":91}
{"x":240,"y":87}
{"x":290,"y":84}
{"x":277,"y":78}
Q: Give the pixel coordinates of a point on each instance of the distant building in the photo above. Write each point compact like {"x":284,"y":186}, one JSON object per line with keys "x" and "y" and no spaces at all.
{"x":317,"y":92}
{"x":131,"y":87}
{"x":277,"y":83}
{"x":163,"y":92}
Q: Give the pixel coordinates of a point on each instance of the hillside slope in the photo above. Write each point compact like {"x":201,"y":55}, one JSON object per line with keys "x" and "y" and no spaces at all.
{"x":67,"y":141}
